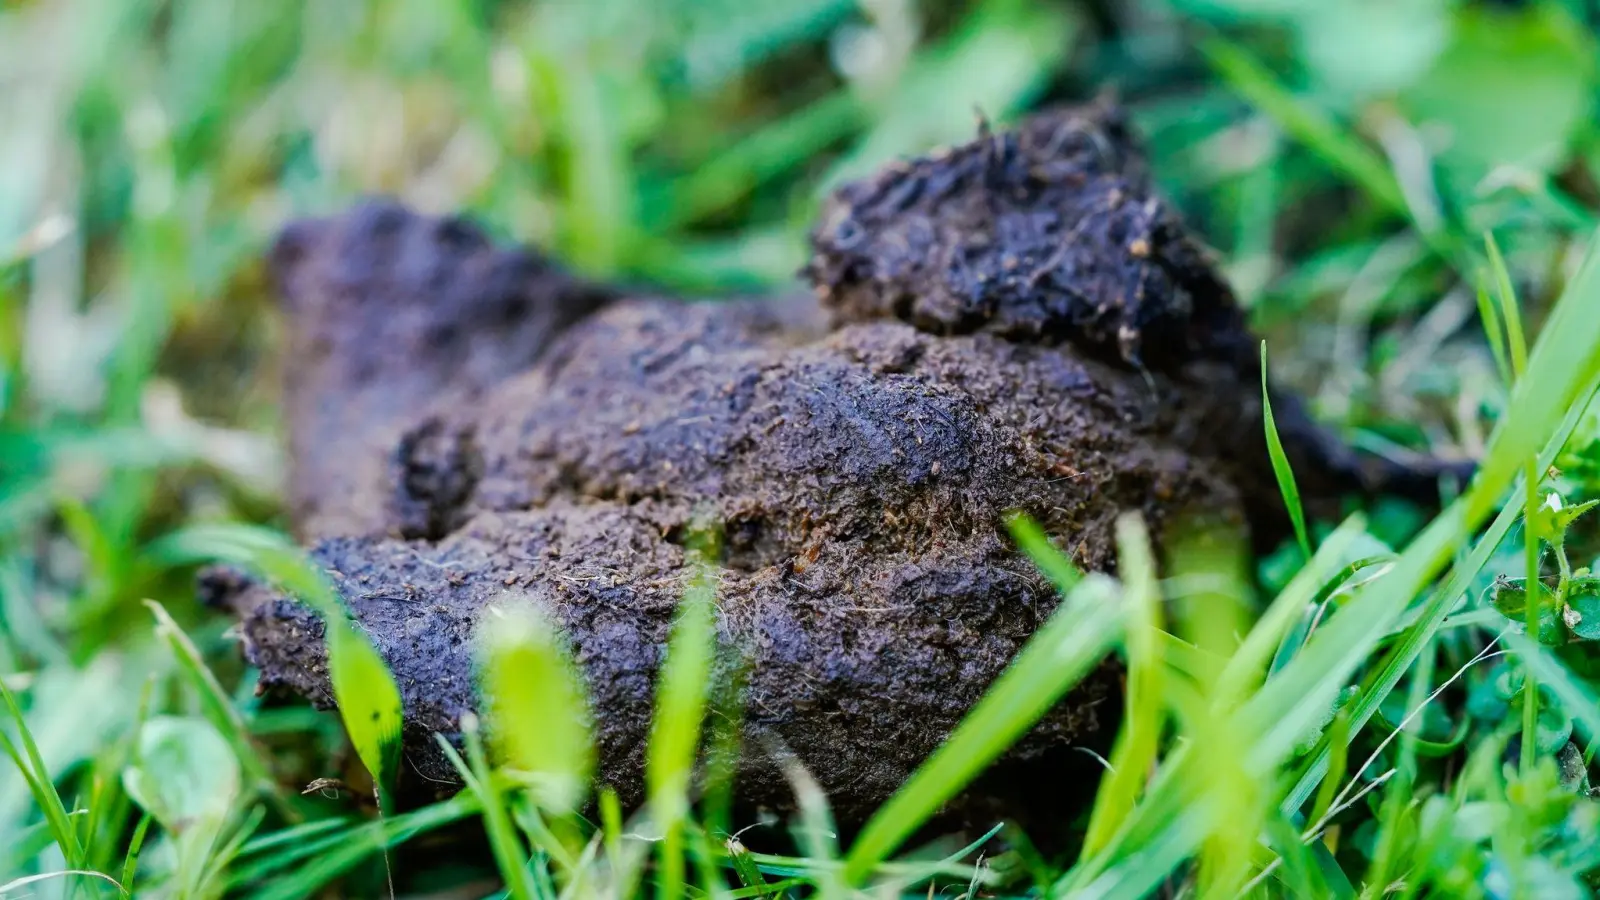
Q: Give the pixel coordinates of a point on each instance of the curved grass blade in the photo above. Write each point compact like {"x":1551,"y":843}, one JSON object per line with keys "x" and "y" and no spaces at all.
{"x":1280,"y":465}
{"x":19,"y":883}
{"x":681,"y":693}
{"x":30,"y":764}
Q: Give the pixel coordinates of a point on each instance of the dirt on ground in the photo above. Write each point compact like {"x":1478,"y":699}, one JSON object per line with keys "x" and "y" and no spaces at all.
{"x":1016,"y":324}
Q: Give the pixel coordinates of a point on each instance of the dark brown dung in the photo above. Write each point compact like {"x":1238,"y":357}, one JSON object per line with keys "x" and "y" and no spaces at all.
{"x":1017,"y":324}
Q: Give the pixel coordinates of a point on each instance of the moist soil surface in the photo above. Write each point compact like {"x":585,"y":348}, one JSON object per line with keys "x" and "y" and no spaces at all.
{"x":1016,"y":324}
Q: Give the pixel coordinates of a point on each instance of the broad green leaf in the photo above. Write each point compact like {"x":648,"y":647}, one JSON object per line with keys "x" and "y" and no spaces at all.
{"x":1358,"y":48}
{"x":368,"y":698}
{"x":1509,"y":89}
{"x":1582,"y":614}
{"x":183,"y":773}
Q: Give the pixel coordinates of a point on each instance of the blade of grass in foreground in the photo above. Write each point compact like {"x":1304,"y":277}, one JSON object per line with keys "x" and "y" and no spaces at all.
{"x":675,"y":731}
{"x":30,"y":764}
{"x":1077,"y":636}
{"x":1056,"y":566}
{"x":1280,"y":465}
{"x":535,"y":705}
{"x":509,"y":853}
{"x":1518,"y":347}
{"x":1139,"y":739}
{"x":1401,"y":656}
{"x":1181,"y":798}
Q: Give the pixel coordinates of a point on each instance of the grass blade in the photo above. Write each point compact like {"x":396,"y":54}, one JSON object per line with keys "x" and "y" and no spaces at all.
{"x":1138,"y":742}
{"x":535,"y":705}
{"x":1280,"y":464}
{"x":1547,"y":406}
{"x":130,"y":864}
{"x":315,"y":864}
{"x":509,"y":854}
{"x":30,"y":763}
{"x":675,"y":730}
{"x":19,"y":883}
{"x":1495,"y":337}
{"x":1031,"y":539}
{"x":1508,"y":306}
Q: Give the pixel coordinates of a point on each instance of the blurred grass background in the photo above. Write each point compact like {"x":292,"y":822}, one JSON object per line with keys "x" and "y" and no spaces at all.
{"x":1345,"y":158}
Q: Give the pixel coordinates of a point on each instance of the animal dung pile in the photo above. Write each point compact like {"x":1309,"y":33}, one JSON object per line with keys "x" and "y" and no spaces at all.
{"x":1015,"y":324}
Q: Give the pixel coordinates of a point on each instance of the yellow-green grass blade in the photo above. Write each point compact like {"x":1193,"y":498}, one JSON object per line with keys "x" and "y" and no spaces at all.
{"x":535,"y":705}
{"x":1143,"y":707}
{"x":681,"y":693}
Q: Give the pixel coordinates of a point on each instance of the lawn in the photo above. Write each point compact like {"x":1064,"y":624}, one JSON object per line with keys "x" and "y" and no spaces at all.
{"x":1402,"y":193}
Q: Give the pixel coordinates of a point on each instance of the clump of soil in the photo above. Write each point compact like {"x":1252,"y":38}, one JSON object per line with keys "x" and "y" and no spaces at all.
{"x":1014,"y":324}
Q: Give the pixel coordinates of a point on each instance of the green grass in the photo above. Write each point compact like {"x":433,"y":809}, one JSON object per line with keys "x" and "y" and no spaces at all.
{"x":1384,"y":705}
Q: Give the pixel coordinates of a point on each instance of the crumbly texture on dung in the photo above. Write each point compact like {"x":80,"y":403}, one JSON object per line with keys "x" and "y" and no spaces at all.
{"x":1050,"y":231}
{"x":464,"y":436}
{"x":860,"y":482}
{"x":389,"y":310}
